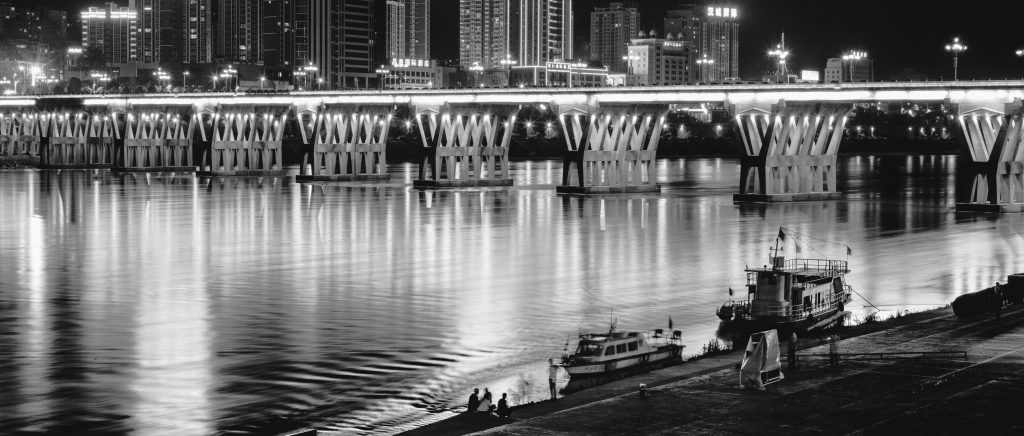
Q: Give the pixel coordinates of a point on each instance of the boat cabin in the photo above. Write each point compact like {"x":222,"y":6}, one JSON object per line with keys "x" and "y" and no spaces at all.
{"x":795,"y":288}
{"x":619,"y":344}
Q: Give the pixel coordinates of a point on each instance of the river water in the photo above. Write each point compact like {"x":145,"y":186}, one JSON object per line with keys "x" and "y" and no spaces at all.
{"x":170,"y":304}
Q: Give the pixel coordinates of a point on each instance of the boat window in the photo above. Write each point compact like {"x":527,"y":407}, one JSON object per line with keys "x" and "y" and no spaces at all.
{"x":621,"y":348}
{"x":609,"y":351}
{"x":589,"y":349}
{"x":633,"y":346}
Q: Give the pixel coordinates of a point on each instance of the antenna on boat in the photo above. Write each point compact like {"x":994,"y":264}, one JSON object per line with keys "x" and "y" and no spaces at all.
{"x":775,"y":251}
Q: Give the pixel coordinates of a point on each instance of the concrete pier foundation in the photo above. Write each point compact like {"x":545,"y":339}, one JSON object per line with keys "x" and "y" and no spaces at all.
{"x":465,"y":146}
{"x":996,"y":143}
{"x":346,"y":143}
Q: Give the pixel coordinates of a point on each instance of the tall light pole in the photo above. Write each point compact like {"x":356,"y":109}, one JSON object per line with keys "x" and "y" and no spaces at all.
{"x":852,"y":57}
{"x":383,"y":73}
{"x":703,"y":63}
{"x":262,"y":79}
{"x":184,"y":79}
{"x":956,"y":47}
{"x":477,"y":72}
{"x":1020,"y":53}
{"x":781,"y":52}
{"x":508,"y":62}
{"x":310,"y":70}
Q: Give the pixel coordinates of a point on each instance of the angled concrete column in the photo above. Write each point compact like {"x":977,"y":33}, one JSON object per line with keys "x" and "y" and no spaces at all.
{"x":75,"y":140}
{"x":465,"y":145}
{"x":996,"y":144}
{"x":345,"y":143}
{"x":244,"y":140}
{"x":610,"y":150}
{"x":790,"y":151}
{"x":20,"y":132}
{"x":155,"y":138}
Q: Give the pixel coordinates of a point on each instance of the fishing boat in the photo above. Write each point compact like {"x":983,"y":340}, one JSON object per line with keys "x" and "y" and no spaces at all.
{"x":789,"y":295}
{"x":599,"y":354}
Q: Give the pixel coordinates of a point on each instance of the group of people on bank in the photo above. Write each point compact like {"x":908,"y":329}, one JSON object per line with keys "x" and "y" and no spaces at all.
{"x":478,"y":404}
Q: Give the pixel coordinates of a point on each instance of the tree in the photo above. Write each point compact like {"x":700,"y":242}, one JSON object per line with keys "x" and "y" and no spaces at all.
{"x":92,"y":59}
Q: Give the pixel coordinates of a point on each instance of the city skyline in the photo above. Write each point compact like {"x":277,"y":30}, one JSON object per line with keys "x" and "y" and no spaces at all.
{"x":870,"y":26}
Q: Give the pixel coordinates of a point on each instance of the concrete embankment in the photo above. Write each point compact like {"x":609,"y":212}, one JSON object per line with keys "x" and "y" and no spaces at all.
{"x":879,"y":394}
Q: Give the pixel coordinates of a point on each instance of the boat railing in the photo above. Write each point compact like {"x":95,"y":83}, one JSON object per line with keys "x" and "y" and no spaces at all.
{"x":783,"y":310}
{"x":826,"y":267}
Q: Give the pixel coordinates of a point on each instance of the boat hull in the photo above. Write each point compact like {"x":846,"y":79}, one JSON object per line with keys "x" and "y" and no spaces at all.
{"x":743,"y":327}
{"x":597,"y":369}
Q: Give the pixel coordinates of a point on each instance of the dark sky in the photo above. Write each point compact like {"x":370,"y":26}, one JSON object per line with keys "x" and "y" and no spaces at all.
{"x":896,"y":33}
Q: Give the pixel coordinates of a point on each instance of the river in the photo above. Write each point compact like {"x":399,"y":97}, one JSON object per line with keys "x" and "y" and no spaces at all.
{"x":170,"y":304}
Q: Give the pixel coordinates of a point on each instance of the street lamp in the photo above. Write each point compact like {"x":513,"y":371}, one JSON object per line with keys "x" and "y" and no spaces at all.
{"x":703,"y":63}
{"x":383,"y":73}
{"x":781,"y":52}
{"x":852,"y":57}
{"x":1020,"y":53}
{"x":184,"y":79}
{"x":508,"y":62}
{"x":262,"y":79}
{"x":309,"y":71}
{"x":477,"y":72}
{"x":214,"y":77}
{"x":956,"y":48}
{"x":230,"y":73}
{"x":319,"y":83}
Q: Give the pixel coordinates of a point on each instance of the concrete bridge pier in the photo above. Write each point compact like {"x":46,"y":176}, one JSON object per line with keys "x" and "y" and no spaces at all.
{"x":155,"y":138}
{"x":610,"y":150}
{"x":465,"y":145}
{"x":75,"y":139}
{"x":790,"y":151}
{"x":244,"y":140}
{"x":996,"y":144}
{"x":19,"y":133}
{"x":345,"y":143}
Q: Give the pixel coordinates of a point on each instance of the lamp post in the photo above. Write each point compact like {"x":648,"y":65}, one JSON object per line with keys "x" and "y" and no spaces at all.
{"x":184,"y":79}
{"x":309,"y":71}
{"x":319,"y":83}
{"x":703,"y":63}
{"x":956,"y":47}
{"x":214,"y":77}
{"x":262,"y":79}
{"x":508,"y":62}
{"x":781,"y":52}
{"x":383,"y":73}
{"x":852,"y":57}
{"x":1020,"y":53}
{"x":477,"y":72}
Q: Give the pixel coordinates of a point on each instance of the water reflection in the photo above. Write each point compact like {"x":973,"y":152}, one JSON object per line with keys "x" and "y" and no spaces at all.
{"x":168,"y":304}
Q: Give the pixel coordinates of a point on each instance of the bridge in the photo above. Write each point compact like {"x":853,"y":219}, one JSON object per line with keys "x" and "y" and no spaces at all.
{"x":791,"y":133}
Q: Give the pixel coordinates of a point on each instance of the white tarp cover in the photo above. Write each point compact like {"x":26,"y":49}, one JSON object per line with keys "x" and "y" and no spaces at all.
{"x":761,"y":365}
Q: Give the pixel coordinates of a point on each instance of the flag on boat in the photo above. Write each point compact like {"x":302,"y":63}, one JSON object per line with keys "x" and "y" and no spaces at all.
{"x":730,"y":291}
{"x":849,"y":252}
{"x":670,"y":322}
{"x":782,"y":233}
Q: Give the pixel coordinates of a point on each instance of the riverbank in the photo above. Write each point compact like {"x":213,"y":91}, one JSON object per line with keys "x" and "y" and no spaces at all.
{"x":18,"y":162}
{"x":702,"y":396}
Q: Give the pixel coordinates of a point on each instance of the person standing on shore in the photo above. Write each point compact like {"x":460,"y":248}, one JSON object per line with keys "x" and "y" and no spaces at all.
{"x":833,"y":352}
{"x":474,"y":400}
{"x":997,"y":300}
{"x":552,"y":375}
{"x":791,"y":349}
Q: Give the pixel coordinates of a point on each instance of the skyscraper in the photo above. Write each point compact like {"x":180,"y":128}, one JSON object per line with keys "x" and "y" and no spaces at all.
{"x":113,"y":30}
{"x":611,"y":29}
{"x":148,"y":22}
{"x":197,"y":46}
{"x":276,"y":32}
{"x":342,"y":41}
{"x":237,"y":37}
{"x":408,"y":29}
{"x":545,"y":31}
{"x":484,"y":32}
{"x":712,"y":32}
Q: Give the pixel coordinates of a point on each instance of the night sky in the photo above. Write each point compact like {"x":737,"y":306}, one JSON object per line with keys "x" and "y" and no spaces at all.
{"x":897,"y":33}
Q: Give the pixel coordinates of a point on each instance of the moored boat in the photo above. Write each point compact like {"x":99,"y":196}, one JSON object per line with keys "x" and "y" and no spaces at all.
{"x":798,"y":294}
{"x":600,"y":354}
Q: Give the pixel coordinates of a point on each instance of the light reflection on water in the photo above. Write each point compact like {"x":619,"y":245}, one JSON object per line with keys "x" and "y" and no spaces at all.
{"x":169,"y":304}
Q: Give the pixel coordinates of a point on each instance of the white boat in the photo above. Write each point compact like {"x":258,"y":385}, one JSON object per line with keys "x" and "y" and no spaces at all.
{"x":605,"y":353}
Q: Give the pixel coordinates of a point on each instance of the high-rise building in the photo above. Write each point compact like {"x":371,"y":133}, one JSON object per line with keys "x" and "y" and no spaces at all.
{"x":611,"y":29}
{"x":277,"y":32}
{"x":148,"y":24}
{"x":659,"y":61}
{"x":484,"y":32}
{"x":112,"y":29}
{"x":408,"y":29}
{"x":545,"y":31}
{"x":861,"y":69}
{"x":197,"y":43}
{"x":712,"y":32}
{"x":342,"y":42}
{"x":237,"y":36}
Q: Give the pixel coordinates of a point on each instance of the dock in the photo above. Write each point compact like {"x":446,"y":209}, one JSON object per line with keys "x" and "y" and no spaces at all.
{"x":930,"y":373}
